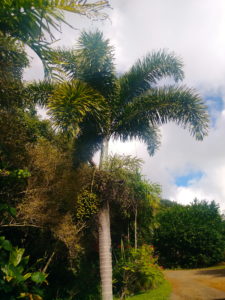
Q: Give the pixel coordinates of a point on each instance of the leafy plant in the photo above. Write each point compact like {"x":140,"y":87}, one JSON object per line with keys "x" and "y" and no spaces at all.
{"x":16,"y":279}
{"x":33,"y":22}
{"x":136,"y":271}
{"x":190,"y":236}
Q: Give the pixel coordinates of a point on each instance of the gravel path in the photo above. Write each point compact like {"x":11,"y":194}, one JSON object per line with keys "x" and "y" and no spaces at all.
{"x":201,"y":284}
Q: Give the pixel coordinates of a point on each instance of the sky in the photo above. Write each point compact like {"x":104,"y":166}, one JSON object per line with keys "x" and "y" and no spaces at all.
{"x":195,"y":31}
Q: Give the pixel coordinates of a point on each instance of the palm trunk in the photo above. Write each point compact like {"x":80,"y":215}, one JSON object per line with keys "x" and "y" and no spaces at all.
{"x":135,"y":228}
{"x":128,"y":233}
{"x":105,"y":255}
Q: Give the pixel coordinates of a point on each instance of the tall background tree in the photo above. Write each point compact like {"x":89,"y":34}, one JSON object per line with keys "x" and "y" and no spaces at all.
{"x":190,"y":236}
{"x":133,"y":107}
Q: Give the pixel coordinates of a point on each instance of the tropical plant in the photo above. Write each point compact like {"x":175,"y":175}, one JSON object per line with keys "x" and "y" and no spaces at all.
{"x":17,"y":281}
{"x":134,"y":107}
{"x":190,"y":236}
{"x":34,"y":21}
{"x":136,"y":271}
{"x":133,"y":215}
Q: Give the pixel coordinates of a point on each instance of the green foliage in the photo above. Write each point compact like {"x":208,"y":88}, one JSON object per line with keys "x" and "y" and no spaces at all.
{"x":13,"y":59}
{"x":122,"y":165}
{"x":190,"y":236}
{"x":181,"y":105}
{"x":138,"y":197}
{"x":165,"y":203}
{"x":78,"y":100}
{"x":33,"y":22}
{"x":136,"y":271}
{"x":6,"y":211}
{"x":20,"y":173}
{"x":147,"y":71}
{"x":19,"y":132}
{"x":16,"y":279}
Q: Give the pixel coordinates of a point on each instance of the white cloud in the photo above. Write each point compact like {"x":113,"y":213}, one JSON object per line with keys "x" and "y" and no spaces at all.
{"x":195,"y":30}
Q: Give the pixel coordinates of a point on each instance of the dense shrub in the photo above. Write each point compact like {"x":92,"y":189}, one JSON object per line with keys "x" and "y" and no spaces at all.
{"x":16,"y":279}
{"x":190,"y":236}
{"x":136,"y":271}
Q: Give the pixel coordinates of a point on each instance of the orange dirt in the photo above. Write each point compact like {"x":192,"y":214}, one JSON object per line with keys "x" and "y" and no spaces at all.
{"x":201,"y":284}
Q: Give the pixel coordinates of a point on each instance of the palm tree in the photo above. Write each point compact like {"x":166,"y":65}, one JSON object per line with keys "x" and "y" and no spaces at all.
{"x":33,"y":22}
{"x":98,"y":105}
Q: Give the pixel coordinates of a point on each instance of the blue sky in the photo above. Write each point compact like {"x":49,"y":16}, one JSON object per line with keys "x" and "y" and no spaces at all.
{"x":187,"y":179}
{"x":215,"y":105}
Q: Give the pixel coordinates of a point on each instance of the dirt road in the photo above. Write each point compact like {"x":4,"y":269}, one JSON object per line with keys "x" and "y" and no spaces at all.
{"x":201,"y":284}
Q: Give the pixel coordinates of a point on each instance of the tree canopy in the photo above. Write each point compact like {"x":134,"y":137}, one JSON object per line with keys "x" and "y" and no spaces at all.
{"x":190,"y":236}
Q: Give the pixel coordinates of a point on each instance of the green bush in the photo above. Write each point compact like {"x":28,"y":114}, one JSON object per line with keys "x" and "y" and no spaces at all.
{"x":136,"y":271}
{"x":190,"y":236}
{"x":16,"y":280}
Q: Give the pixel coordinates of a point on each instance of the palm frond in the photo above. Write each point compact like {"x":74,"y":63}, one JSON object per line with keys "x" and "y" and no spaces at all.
{"x":82,"y":7}
{"x":38,"y":92}
{"x":34,"y":21}
{"x":146,"y":72}
{"x":64,"y":61}
{"x":139,"y":129}
{"x":95,"y":66}
{"x":71,"y":102}
{"x":13,"y":59}
{"x":91,"y":62}
{"x":34,"y":18}
{"x":178,"y":104}
{"x":119,"y":163}
{"x":152,"y":138}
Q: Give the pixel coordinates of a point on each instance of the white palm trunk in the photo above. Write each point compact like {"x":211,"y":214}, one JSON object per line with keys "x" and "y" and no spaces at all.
{"x":135,"y":228}
{"x":105,"y":255}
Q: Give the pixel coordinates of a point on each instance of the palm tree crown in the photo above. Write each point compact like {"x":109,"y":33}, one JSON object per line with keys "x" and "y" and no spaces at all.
{"x":126,"y":107}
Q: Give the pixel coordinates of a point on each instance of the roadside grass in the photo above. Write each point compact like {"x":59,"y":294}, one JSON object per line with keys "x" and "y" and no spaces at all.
{"x":161,"y":293}
{"x":215,"y":267}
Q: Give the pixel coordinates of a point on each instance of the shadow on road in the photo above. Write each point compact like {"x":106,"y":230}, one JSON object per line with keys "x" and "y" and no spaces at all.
{"x":213,"y":272}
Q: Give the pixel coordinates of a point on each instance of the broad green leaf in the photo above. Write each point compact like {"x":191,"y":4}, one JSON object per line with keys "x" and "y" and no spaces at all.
{"x":9,"y":209}
{"x":16,"y":256}
{"x":6,"y":245}
{"x":38,"y":277}
{"x":27,"y":275}
{"x":12,"y":271}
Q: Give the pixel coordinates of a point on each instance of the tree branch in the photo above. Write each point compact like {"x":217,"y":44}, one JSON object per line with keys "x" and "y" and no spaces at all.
{"x":21,"y":225}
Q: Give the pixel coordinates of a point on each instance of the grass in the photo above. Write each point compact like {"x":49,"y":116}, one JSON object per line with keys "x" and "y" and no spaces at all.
{"x":161,"y":293}
{"x":219,"y":266}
